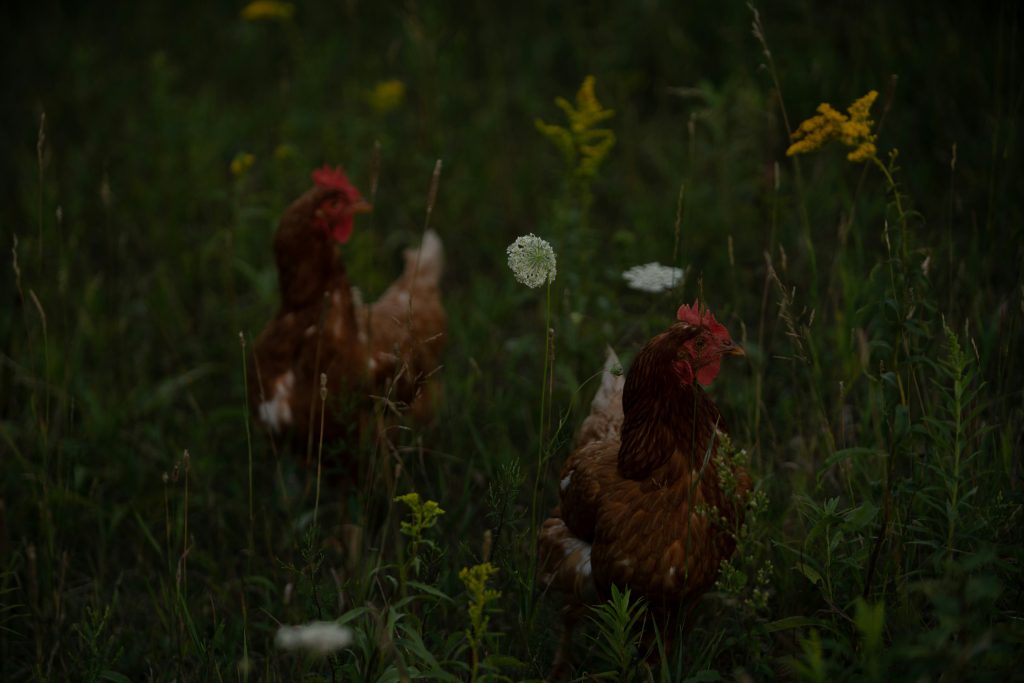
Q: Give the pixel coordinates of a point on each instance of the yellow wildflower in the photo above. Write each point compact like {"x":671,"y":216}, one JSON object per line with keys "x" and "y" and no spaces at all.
{"x":853,"y":129}
{"x":284,"y":151}
{"x":864,"y":151}
{"x":424,"y":514}
{"x":480,"y":596}
{"x":386,"y":95}
{"x":583,"y":146}
{"x":241,"y":164}
{"x":475,"y":578}
{"x":861,"y":109}
{"x":269,"y":10}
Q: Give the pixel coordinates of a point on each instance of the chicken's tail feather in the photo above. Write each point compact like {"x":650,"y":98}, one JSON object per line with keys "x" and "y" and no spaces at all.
{"x":426,"y":264}
{"x":612,"y":383}
{"x":565,"y":561}
{"x":605,"y":419}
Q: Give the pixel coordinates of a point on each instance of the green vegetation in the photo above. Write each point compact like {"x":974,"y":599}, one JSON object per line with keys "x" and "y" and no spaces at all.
{"x":148,"y":531}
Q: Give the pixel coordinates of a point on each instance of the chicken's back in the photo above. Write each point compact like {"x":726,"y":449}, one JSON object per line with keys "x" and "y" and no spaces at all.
{"x":404,"y":331}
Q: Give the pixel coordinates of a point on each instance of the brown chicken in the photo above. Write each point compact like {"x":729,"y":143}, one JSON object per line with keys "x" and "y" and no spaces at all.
{"x":638,"y":493}
{"x":389,"y":348}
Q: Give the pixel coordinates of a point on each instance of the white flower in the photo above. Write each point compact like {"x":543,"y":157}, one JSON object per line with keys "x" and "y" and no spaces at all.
{"x":532,"y":260}
{"x":318,"y":637}
{"x":653,"y":277}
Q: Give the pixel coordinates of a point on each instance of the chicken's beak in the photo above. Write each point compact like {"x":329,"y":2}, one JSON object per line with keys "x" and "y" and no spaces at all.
{"x":361,"y":206}
{"x":733,"y":349}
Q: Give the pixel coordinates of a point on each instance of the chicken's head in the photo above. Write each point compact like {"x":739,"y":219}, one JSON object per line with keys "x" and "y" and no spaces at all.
{"x":334,"y":214}
{"x":699,"y":357}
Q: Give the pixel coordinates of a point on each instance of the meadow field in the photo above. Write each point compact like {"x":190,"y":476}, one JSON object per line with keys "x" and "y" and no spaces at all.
{"x":150,"y":530}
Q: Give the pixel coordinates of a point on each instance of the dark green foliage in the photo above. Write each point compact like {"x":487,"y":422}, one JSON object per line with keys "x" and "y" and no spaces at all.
{"x":618,"y":639}
{"x":881,"y":308}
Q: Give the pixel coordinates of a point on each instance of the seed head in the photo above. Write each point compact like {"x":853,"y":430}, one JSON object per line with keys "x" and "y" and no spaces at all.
{"x":532,"y":261}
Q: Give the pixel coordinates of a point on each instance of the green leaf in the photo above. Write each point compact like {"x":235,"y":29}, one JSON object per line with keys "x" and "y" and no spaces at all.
{"x":870,"y":620}
{"x":787,"y":623}
{"x":810,"y":572}
{"x":847,"y":453}
{"x":351,"y":615}
{"x":859,"y":517}
{"x":147,"y":534}
{"x":115,"y":677}
{"x":430,"y":590}
{"x":190,"y":624}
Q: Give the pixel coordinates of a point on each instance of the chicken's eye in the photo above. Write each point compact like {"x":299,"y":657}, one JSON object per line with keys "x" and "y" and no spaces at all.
{"x":699,"y":345}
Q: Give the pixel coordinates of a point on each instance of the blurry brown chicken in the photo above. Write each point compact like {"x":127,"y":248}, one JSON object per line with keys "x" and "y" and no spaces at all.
{"x":637,"y":493}
{"x":389,"y":348}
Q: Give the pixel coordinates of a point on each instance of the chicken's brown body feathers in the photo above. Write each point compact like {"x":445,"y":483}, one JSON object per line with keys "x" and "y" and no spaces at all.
{"x":634,"y":503}
{"x":388,"y":348}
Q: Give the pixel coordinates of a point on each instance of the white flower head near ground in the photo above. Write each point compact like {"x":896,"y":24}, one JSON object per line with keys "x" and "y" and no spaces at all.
{"x":653,"y":277}
{"x":532,"y":260}
{"x":317,"y":637}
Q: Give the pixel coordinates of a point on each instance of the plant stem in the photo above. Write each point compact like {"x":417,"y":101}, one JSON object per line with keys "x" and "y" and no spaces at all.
{"x":320,"y":445}
{"x":540,"y":438}
{"x":805,"y":221}
{"x":954,"y":494}
{"x":248,"y":443}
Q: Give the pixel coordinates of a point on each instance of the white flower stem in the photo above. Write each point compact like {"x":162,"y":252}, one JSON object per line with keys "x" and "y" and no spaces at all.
{"x":541,"y":432}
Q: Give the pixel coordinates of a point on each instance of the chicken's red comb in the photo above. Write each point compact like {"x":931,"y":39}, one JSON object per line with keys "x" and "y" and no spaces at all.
{"x":333,"y":178}
{"x":697,"y":317}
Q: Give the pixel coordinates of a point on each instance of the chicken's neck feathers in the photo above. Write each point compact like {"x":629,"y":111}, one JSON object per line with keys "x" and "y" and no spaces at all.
{"x":662,"y":416}
{"x":304,"y":278}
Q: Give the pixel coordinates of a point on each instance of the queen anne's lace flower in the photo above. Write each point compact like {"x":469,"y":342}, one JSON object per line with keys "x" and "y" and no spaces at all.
{"x":317,"y":637}
{"x":532,"y":260}
{"x":653,"y":277}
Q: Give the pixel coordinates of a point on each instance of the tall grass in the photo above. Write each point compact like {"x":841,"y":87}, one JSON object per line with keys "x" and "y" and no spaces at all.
{"x":880,"y":306}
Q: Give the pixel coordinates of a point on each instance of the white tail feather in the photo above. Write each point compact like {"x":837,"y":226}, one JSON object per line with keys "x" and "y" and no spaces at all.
{"x":430,"y":257}
{"x":612,"y":382}
{"x":605,"y":419}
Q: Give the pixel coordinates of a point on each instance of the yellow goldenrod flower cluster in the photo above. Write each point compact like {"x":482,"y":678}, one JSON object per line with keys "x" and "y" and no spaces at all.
{"x":853,"y":129}
{"x":583,"y":146}
{"x":424,"y":514}
{"x":475,"y":578}
{"x":268,"y":10}
{"x":386,"y":95}
{"x":284,"y":151}
{"x":241,"y":164}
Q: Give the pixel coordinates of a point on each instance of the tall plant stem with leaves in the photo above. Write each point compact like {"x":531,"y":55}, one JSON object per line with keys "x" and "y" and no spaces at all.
{"x":904,"y":373}
{"x":901,"y":215}
{"x":956,"y":365}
